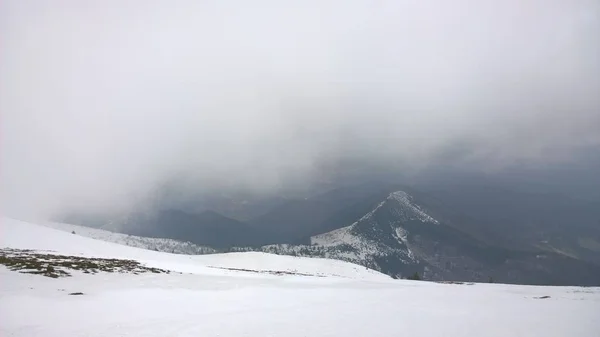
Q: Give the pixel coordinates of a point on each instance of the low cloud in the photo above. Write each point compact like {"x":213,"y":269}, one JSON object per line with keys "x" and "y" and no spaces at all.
{"x":102,"y":103}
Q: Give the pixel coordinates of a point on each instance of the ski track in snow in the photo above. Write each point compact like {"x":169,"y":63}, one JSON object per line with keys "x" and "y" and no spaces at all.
{"x":205,"y":301}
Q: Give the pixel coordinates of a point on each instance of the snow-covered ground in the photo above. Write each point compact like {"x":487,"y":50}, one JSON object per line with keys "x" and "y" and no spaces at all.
{"x":23,"y":235}
{"x":341,"y":299}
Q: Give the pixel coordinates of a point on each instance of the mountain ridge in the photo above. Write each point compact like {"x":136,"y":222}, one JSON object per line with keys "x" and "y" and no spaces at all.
{"x":393,"y":228}
{"x":399,"y":237}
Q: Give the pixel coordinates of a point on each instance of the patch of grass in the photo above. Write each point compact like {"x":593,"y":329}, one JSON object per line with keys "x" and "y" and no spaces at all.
{"x":54,"y":266}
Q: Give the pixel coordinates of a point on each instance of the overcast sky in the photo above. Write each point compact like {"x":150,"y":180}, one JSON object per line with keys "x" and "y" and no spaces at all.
{"x":102,"y":102}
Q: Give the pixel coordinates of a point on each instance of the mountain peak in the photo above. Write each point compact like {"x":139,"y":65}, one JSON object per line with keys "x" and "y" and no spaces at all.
{"x":408,"y":209}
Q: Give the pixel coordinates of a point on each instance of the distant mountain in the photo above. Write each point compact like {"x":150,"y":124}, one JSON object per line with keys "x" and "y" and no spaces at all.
{"x":206,"y":229}
{"x":238,"y":207}
{"x":549,"y":221}
{"x":399,"y":237}
{"x":296,"y":220}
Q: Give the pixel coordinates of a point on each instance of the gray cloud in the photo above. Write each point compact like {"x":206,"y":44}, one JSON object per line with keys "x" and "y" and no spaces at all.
{"x":103,"y":101}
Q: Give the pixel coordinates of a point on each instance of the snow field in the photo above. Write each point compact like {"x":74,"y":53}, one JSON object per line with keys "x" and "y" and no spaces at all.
{"x":207,"y":301}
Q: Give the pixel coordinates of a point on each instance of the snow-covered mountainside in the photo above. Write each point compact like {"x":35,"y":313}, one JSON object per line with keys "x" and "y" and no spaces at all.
{"x":401,"y":237}
{"x":54,"y":283}
{"x":364,"y":244}
{"x":375,"y":239}
{"x":158,"y":244}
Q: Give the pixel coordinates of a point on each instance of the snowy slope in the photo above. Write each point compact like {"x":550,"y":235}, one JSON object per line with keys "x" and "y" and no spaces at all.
{"x":23,"y":235}
{"x":399,"y":207}
{"x":216,"y":302}
{"x":377,"y":236}
{"x":246,"y":260}
{"x":158,"y":244}
{"x":408,"y":210}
